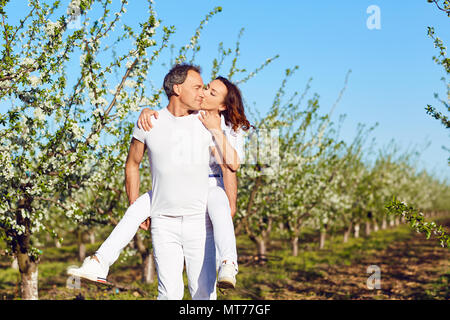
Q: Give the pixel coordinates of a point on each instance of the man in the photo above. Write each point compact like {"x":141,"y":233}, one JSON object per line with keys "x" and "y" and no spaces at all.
{"x":178,"y":150}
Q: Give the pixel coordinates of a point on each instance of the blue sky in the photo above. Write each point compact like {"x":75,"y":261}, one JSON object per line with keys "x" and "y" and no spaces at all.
{"x":393,"y":76}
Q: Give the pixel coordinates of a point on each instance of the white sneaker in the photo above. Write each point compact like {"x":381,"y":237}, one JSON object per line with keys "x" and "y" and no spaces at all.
{"x":90,"y":270}
{"x":227,"y":275}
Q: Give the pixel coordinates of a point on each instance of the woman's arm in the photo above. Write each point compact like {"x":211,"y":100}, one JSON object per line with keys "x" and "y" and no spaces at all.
{"x":145,"y":119}
{"x":227,"y":154}
{"x":230,"y":184}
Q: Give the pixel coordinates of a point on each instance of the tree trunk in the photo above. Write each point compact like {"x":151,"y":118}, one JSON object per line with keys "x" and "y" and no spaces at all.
{"x":29,"y":277}
{"x":92,"y":237}
{"x":356,"y":230}
{"x":81,"y":251}
{"x":28,"y":265}
{"x":323,"y":235}
{"x":294,"y":242}
{"x":262,"y":249}
{"x":391,"y":222}
{"x":383,"y":224}
{"x":15,"y":264}
{"x":238,"y":229}
{"x":368,"y":228}
{"x":29,"y":287}
{"x":48,"y":238}
{"x":82,"y":237}
{"x":397,"y":221}
{"x":375,"y":226}
{"x":261,"y":242}
{"x":347,"y":233}
{"x":148,"y":269}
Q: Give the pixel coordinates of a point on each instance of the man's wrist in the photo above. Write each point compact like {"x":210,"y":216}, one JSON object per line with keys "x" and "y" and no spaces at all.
{"x":130,"y":202}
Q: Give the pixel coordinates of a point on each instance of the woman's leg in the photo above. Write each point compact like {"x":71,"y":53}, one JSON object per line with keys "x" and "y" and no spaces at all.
{"x":125,"y":230}
{"x":220,"y":214}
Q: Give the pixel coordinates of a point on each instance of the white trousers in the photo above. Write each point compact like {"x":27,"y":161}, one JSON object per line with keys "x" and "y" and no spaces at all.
{"x":218,"y":211}
{"x":125,"y":230}
{"x":184,"y":239}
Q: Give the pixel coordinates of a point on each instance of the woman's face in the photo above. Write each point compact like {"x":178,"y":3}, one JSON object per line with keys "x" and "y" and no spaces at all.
{"x":214,"y":96}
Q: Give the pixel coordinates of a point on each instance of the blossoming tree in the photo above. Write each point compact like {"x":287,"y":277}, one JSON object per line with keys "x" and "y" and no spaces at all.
{"x":62,"y":98}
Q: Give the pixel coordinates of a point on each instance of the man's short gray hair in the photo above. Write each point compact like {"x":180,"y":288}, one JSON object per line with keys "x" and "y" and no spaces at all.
{"x":177,"y":75}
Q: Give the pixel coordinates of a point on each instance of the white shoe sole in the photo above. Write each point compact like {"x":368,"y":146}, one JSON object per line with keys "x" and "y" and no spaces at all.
{"x":226,"y":283}
{"x":87,"y":276}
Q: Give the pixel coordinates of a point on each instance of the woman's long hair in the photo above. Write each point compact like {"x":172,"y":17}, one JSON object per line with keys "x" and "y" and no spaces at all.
{"x":234,"y":113}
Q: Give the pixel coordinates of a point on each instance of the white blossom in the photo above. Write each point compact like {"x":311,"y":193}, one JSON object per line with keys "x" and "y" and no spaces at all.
{"x":39,"y":114}
{"x":51,"y":27}
{"x":28,"y":61}
{"x":35,"y":81}
{"x":74,"y":8}
{"x":130,"y":83}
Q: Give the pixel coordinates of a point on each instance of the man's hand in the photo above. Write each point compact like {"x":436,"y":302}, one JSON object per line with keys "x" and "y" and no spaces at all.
{"x":144,"y":122}
{"x":146,"y":224}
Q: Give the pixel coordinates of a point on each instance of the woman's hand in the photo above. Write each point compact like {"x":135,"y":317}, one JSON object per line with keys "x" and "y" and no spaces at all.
{"x":146,"y":224}
{"x":211,"y":121}
{"x":144,"y":122}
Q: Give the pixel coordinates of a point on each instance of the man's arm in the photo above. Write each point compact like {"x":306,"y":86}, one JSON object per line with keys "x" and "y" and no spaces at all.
{"x":132,"y":178}
{"x":230,"y":184}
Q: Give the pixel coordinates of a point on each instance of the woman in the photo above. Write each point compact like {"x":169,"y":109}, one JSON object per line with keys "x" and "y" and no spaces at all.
{"x":224,"y":109}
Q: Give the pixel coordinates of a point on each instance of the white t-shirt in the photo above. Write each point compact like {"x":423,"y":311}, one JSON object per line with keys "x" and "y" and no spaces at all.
{"x":178,"y":150}
{"x":236,"y":140}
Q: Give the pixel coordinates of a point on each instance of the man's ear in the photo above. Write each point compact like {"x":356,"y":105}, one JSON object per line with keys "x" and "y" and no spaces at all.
{"x":177,"y":89}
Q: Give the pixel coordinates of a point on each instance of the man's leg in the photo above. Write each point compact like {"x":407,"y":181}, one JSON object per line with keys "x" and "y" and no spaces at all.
{"x":125,"y":230}
{"x":168,"y":253}
{"x":200,"y":256}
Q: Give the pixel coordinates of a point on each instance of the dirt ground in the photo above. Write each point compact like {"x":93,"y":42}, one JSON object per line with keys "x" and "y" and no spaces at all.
{"x":413,"y":269}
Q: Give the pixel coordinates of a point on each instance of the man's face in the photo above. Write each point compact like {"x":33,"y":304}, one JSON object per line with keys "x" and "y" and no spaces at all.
{"x":190,"y":92}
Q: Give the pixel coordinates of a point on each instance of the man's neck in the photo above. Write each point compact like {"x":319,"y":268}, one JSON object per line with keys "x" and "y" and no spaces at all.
{"x":176,"y":109}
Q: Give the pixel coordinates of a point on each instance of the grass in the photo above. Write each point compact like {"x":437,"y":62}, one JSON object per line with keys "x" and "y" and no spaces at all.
{"x":338,"y":271}
{"x":311,"y":263}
